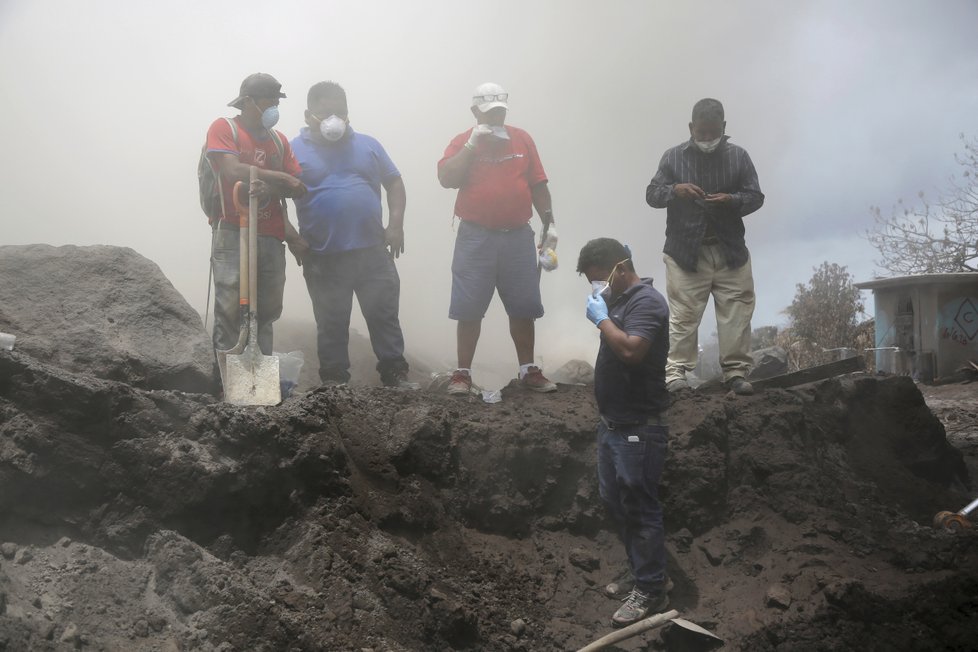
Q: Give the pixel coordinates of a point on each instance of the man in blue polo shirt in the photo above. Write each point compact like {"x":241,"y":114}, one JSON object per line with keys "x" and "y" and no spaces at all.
{"x":630,"y":388}
{"x":341,"y":217}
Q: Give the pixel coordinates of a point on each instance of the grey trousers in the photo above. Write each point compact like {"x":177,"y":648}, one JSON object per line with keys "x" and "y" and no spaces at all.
{"x":271,"y":285}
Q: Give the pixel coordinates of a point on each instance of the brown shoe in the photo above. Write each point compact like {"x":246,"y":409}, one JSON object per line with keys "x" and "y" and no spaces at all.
{"x":536,"y":381}
{"x":461,"y":383}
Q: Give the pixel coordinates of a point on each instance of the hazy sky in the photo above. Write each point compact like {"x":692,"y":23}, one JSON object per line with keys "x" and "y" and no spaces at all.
{"x":841,"y":105}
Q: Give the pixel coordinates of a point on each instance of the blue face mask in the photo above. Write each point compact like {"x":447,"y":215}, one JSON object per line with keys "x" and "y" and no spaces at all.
{"x":269,"y":117}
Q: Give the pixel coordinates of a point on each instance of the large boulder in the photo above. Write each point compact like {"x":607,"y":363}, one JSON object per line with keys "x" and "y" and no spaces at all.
{"x":574,"y":372}
{"x":768,"y":362}
{"x":104,"y":311}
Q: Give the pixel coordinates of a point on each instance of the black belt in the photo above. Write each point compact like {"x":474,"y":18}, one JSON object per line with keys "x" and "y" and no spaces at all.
{"x":654,"y":420}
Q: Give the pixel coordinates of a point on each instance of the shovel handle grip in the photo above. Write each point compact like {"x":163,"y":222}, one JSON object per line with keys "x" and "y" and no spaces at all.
{"x":238,"y":206}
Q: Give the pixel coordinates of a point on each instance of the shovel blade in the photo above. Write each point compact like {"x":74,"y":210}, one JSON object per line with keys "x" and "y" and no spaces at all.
{"x":693,"y":627}
{"x":252,"y":379}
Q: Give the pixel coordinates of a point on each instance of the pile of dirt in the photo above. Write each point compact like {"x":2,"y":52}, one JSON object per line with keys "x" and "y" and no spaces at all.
{"x":136,"y":516}
{"x":376,"y":519}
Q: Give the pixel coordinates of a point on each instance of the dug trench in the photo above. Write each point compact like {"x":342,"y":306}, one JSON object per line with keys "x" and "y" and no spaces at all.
{"x":376,"y":519}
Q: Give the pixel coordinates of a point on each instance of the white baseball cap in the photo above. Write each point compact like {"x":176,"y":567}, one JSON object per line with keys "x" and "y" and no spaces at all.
{"x":489,"y":96}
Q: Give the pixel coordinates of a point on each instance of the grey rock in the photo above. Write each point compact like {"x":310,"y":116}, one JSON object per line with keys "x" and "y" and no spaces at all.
{"x":104,"y":311}
{"x":778,"y":596}
{"x":23,"y":556}
{"x":8,"y":550}
{"x":518,"y":626}
{"x":70,"y":635}
{"x":574,"y":372}
{"x":583,"y":559}
{"x":683,"y":539}
{"x":768,"y":362}
{"x":141,"y":628}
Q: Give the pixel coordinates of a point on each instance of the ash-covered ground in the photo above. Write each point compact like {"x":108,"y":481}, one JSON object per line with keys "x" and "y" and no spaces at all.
{"x":139,"y":513}
{"x":378,"y":519}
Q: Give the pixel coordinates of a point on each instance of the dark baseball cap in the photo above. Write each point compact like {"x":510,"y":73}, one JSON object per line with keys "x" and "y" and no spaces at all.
{"x":260,"y":85}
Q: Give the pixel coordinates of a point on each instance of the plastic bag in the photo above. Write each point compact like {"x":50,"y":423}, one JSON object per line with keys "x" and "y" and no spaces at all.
{"x":289,"y":368}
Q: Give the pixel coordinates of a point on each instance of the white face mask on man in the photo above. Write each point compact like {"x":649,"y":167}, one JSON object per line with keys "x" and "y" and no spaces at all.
{"x":708,"y":146}
{"x":332,"y":128}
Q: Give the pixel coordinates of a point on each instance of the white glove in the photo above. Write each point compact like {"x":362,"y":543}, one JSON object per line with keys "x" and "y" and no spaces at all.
{"x":549,"y":241}
{"x":478,"y":132}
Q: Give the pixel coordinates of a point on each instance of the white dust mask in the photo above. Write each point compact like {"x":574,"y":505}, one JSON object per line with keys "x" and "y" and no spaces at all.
{"x":708,"y":146}
{"x":332,"y":128}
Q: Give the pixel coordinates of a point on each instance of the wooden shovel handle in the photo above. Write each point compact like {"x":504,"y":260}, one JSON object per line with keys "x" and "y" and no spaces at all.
{"x":243,"y":258}
{"x":238,"y":206}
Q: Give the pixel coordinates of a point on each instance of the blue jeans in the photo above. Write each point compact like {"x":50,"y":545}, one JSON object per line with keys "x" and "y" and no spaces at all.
{"x":332,"y":279}
{"x":628,"y":479}
{"x":271,"y":286}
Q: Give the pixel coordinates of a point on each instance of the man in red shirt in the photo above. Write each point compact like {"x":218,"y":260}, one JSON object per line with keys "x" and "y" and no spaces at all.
{"x":500,"y":180}
{"x":233,"y":146}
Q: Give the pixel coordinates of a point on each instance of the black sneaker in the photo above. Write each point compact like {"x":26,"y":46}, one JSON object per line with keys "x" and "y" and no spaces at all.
{"x":637,"y":606}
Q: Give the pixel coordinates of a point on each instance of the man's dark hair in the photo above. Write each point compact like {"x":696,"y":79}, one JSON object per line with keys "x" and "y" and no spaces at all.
{"x":708,"y":110}
{"x":604,"y":253}
{"x":326,"y":90}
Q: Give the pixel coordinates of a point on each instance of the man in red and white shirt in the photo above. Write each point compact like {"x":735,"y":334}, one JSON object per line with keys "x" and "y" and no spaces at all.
{"x":232,"y":151}
{"x":500,"y":180}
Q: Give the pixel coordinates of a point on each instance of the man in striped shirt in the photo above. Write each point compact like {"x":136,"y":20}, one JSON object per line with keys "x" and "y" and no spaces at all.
{"x":707,"y":185}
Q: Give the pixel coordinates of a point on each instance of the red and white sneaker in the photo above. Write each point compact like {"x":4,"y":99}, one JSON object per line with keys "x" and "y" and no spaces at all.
{"x":536,"y":381}
{"x":461,"y":383}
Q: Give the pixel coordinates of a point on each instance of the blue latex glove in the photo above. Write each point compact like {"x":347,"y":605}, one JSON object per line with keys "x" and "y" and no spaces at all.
{"x":597,"y":309}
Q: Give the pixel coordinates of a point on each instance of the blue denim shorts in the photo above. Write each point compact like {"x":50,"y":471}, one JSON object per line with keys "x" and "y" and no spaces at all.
{"x":486,"y":261}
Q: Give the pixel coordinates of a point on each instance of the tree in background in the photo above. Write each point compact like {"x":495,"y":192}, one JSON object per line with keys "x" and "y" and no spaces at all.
{"x":933,"y":238}
{"x":826,"y":311}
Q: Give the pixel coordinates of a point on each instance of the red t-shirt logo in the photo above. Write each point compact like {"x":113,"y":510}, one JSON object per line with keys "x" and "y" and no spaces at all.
{"x":260,"y":157}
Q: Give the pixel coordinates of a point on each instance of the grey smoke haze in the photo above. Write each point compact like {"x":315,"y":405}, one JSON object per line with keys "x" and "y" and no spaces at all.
{"x":842,"y":105}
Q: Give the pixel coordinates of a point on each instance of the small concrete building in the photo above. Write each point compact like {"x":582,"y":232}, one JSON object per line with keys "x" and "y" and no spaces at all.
{"x":926,"y":325}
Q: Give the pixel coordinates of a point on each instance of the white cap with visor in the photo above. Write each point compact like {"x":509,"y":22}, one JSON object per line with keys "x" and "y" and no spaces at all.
{"x":488,"y":96}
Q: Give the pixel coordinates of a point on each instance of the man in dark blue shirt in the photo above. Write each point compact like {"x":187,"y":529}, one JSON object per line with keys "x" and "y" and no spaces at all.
{"x":350,"y":251}
{"x":707,"y":185}
{"x":629,"y":385}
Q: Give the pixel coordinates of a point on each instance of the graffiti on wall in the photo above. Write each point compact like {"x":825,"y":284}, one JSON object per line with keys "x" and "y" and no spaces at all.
{"x":959,"y":321}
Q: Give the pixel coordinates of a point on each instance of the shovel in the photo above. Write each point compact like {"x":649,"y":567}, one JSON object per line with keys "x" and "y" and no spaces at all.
{"x":250,"y":378}
{"x":243,"y":295}
{"x":658,"y":620}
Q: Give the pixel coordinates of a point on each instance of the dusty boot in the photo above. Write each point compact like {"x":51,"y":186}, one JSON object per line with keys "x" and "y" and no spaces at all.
{"x":740,"y":386}
{"x":677,"y":384}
